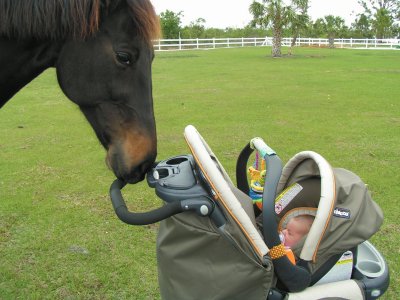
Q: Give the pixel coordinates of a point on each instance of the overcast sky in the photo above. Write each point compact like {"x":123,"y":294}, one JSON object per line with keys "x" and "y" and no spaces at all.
{"x":235,"y":13}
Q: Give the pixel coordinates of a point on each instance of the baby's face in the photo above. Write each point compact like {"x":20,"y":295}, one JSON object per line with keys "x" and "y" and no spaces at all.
{"x":294,"y":231}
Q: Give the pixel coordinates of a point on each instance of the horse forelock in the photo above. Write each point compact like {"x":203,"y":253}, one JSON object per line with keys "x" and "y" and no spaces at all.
{"x":146,"y":19}
{"x":59,"y":19}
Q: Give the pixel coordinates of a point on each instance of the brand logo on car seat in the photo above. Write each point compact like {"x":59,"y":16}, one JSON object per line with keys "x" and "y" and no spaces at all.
{"x":341,"y":213}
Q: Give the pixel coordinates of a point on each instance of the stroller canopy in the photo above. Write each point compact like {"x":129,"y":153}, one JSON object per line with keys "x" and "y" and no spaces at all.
{"x":345,"y":214}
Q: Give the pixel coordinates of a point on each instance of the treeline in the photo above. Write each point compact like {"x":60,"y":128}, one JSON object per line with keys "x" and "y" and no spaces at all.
{"x":172,"y":28}
{"x":363,"y":27}
{"x":313,"y":30}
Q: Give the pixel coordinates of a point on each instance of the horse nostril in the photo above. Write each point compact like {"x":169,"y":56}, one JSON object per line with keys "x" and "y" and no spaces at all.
{"x":144,"y":167}
{"x":138,"y":173}
{"x":128,"y":163}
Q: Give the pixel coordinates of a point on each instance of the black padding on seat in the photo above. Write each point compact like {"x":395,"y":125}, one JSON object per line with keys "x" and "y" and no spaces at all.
{"x":241,"y":169}
{"x":292,"y":278}
{"x":241,"y":174}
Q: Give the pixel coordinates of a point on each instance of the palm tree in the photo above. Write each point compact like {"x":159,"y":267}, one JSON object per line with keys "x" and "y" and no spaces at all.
{"x":278,"y":14}
{"x":297,"y":22}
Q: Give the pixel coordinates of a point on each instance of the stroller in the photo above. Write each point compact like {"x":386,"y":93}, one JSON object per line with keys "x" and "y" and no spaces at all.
{"x":214,"y":244}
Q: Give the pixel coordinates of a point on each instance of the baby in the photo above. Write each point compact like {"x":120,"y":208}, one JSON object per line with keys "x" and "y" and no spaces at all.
{"x":295,"y":229}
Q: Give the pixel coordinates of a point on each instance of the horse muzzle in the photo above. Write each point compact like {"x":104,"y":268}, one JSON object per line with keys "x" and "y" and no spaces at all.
{"x":130,"y":161}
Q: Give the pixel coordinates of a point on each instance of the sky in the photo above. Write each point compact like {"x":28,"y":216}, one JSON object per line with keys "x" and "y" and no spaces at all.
{"x":235,"y":13}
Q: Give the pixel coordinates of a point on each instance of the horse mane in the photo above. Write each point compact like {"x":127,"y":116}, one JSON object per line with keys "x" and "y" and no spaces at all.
{"x":79,"y":19}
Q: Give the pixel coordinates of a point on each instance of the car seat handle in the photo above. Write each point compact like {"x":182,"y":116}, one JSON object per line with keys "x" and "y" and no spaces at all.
{"x":145,"y":218}
{"x":295,"y":278}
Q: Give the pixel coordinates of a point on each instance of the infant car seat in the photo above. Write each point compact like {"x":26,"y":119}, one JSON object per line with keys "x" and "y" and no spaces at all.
{"x":345,"y":214}
{"x":210,"y":247}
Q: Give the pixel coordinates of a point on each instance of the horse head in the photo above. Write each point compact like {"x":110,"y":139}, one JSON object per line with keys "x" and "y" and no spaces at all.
{"x":102,"y":50}
{"x":108,"y":75}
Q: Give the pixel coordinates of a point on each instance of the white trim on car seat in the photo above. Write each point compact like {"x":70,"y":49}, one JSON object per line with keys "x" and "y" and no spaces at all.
{"x":326,"y":203}
{"x":202,"y":154}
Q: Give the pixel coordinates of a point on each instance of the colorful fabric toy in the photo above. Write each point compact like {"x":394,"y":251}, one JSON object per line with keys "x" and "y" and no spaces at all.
{"x":257,"y":180}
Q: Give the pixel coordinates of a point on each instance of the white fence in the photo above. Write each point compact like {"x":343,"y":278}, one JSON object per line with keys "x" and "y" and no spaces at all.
{"x":213,"y":43}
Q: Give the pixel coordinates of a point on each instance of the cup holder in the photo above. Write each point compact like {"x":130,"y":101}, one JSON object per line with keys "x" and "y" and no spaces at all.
{"x":369,"y":261}
{"x":370,"y":268}
{"x":169,"y":167}
{"x":162,"y":173}
{"x":176,"y":160}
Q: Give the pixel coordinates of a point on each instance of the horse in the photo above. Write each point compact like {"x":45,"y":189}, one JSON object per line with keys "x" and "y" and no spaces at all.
{"x":102,"y":51}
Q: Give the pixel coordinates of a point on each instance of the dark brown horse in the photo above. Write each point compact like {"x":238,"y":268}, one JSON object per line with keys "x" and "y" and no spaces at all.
{"x":102,"y":50}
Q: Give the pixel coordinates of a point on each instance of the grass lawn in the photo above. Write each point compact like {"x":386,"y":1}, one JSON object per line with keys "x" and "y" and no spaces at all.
{"x":59,"y":238}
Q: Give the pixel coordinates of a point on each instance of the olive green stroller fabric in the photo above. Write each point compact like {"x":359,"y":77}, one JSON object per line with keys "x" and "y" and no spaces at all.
{"x":356,"y":217}
{"x":196,"y":261}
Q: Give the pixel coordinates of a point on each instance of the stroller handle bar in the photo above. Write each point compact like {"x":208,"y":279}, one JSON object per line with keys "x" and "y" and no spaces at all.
{"x":200,"y":205}
{"x":146,"y":218}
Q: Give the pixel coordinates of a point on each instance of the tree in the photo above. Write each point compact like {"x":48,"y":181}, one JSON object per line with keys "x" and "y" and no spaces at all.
{"x":396,"y":30}
{"x":383,"y":14}
{"x":195,"y":29}
{"x":334,"y":26}
{"x":170,"y":24}
{"x":382,"y":23}
{"x":362,"y":27}
{"x":318,"y":28}
{"x":298,"y":21}
{"x":278,"y":14}
{"x":371,"y":7}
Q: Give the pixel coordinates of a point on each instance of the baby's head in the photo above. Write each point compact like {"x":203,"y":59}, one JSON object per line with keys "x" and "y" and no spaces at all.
{"x":296,"y":228}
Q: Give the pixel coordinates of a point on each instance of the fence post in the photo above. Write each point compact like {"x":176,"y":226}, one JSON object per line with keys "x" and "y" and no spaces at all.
{"x":228,"y":43}
{"x":375,"y":42}
{"x":242,"y":42}
{"x":159,"y":44}
{"x":197,"y":43}
{"x":255,"y":42}
{"x":351,"y":42}
{"x":214,"y":42}
{"x":180,"y":43}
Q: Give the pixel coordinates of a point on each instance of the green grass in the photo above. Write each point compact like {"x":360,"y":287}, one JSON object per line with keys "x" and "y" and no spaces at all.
{"x":59,"y":238}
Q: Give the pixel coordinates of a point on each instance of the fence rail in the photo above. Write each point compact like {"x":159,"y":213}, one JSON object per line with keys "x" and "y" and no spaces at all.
{"x":213,"y":43}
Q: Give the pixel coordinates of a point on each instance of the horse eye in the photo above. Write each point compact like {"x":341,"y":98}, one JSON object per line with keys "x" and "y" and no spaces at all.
{"x":124,"y":58}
